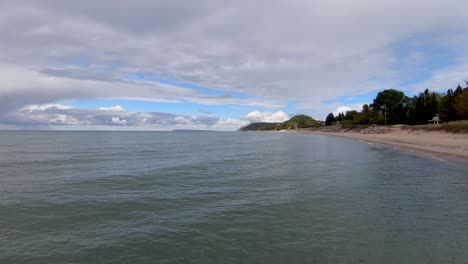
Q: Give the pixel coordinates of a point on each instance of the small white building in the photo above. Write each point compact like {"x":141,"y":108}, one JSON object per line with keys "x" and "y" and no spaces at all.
{"x":435,"y":120}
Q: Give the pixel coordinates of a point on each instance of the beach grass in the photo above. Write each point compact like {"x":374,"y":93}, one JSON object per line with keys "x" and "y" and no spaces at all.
{"x":454,"y":127}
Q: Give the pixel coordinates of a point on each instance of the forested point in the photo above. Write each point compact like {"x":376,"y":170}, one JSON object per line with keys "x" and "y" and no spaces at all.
{"x":261,"y":126}
{"x":392,"y":107}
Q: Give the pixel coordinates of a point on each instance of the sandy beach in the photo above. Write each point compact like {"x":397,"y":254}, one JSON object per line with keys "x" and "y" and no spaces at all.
{"x":436,"y":142}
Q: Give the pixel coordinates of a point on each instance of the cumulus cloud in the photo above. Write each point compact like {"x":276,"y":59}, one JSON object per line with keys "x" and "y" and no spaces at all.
{"x":117,"y":108}
{"x":63,"y":116}
{"x":116,"y":116}
{"x":257,"y":116}
{"x":118,"y":121}
{"x":345,"y":108}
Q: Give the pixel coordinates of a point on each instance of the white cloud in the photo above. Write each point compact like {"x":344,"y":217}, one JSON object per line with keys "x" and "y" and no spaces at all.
{"x":116,"y":108}
{"x":234,"y":122}
{"x":35,"y":107}
{"x":230,"y":124}
{"x":118,"y":121}
{"x":65,"y":116}
{"x":257,"y":116}
{"x":59,"y":119}
{"x":59,"y":116}
{"x":344,"y":108}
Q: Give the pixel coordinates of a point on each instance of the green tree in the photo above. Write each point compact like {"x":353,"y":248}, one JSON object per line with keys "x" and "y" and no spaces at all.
{"x":426,"y":107}
{"x":391,"y":102}
{"x":447,"y":109}
{"x":365,"y":117}
{"x":462,"y":105}
{"x":458,"y":91}
{"x":433,"y":105}
{"x":409,"y":105}
{"x":351,"y":115}
{"x":340,"y":117}
{"x":299,"y":121}
{"x":330,"y":119}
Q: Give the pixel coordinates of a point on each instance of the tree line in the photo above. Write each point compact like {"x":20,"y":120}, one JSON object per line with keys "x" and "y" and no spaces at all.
{"x":392,"y":107}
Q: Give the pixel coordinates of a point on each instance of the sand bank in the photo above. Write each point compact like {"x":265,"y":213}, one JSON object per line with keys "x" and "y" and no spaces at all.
{"x":428,"y":141}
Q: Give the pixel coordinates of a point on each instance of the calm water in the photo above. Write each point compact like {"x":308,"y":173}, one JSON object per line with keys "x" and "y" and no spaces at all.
{"x":222,"y":197}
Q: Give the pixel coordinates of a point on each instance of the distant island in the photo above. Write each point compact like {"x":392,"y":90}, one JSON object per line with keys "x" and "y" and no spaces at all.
{"x":191,"y":130}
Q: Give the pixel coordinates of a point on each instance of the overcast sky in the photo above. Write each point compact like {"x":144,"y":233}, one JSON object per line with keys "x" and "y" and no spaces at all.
{"x":203,"y":64}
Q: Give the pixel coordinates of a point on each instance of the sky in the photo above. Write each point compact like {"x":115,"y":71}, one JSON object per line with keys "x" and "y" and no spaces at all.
{"x":218,"y":65}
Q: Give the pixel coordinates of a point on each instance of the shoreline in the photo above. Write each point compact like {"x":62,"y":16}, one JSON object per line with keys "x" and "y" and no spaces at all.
{"x":434,"y":142}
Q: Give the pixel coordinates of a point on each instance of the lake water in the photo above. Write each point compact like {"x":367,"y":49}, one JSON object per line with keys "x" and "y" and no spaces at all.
{"x":226,"y":197}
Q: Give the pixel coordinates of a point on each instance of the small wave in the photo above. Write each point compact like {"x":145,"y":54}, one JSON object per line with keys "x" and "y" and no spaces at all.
{"x":367,"y":142}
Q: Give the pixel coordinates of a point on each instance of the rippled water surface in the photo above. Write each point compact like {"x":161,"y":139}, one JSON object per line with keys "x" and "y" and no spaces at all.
{"x":225,"y":197}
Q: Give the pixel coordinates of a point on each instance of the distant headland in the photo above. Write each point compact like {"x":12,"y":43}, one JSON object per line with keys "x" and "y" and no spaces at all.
{"x":431,"y":122}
